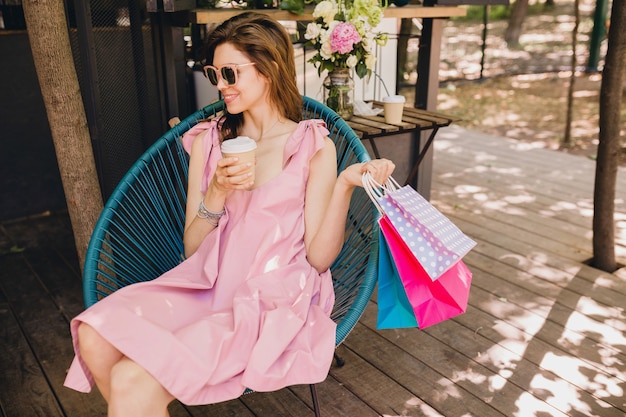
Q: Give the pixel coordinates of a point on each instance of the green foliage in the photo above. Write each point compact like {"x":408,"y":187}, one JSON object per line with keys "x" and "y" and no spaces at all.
{"x":294,"y":6}
{"x":497,"y":12}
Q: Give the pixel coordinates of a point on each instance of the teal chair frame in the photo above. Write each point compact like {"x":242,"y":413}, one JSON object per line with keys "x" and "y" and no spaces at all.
{"x":139,"y":234}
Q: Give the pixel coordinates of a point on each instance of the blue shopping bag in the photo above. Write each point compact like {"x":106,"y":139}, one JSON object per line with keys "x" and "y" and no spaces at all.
{"x":394,"y":309}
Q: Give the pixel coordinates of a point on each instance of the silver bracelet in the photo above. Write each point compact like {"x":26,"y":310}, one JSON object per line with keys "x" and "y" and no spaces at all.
{"x":211,"y":216}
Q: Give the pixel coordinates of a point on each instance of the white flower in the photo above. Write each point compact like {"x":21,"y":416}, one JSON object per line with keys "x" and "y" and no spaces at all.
{"x":370,"y":61}
{"x":324,"y":36}
{"x":326,"y":10}
{"x":362,"y":16}
{"x":312,"y":31}
{"x":367,"y":44}
{"x":352,"y":61}
{"x":326,"y":52}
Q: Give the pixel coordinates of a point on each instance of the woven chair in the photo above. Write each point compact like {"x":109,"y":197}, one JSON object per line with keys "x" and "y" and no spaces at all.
{"x":139,"y":233}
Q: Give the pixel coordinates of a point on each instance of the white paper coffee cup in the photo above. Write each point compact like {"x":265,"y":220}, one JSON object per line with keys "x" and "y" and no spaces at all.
{"x":241,"y":147}
{"x":394,"y":106}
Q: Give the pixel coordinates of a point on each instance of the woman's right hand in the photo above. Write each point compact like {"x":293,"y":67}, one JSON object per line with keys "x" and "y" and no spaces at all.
{"x":230,"y":175}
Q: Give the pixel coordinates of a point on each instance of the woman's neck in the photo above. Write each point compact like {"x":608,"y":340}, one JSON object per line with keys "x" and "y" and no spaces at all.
{"x":260,"y":128}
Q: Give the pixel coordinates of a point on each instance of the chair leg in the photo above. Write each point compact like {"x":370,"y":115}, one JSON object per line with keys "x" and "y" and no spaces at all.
{"x":316,"y":405}
{"x":339,"y":360}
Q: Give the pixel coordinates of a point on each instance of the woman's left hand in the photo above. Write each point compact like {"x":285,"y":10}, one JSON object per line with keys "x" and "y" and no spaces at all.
{"x":380,"y":169}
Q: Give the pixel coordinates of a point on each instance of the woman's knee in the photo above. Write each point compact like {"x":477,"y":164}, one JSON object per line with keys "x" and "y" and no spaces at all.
{"x":126,"y":376}
{"x":129,"y":378}
{"x":89,"y":341}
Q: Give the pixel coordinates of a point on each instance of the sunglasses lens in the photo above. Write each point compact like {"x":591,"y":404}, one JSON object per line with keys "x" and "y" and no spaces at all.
{"x":211,"y":75}
{"x":229,"y":75}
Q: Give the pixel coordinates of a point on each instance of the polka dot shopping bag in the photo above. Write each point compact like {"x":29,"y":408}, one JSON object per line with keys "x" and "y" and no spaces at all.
{"x":432,"y":238}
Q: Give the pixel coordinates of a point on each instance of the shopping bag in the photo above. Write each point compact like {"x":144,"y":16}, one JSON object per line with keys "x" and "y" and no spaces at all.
{"x":394,"y":309}
{"x":432,"y":301}
{"x":432,"y":238}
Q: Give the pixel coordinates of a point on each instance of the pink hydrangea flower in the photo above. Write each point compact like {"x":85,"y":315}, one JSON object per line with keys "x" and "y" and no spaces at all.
{"x":343,"y":37}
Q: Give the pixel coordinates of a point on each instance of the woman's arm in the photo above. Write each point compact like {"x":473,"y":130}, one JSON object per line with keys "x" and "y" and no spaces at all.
{"x":328,"y":200}
{"x":227,"y":177}
{"x":196,"y":229}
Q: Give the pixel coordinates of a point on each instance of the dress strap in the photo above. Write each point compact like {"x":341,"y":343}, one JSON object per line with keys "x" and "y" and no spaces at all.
{"x":210,"y":141}
{"x":310,"y":134}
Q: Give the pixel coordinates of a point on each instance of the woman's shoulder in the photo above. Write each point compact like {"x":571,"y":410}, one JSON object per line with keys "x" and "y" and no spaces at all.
{"x":315,"y":128}
{"x":310,"y":136}
{"x":204,"y":132}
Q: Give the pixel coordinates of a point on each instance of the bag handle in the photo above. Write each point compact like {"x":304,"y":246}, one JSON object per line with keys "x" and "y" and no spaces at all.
{"x":373,"y":189}
{"x":377,"y":191}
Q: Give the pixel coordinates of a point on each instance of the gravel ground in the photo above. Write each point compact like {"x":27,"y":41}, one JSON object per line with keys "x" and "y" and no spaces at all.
{"x":523,"y":91}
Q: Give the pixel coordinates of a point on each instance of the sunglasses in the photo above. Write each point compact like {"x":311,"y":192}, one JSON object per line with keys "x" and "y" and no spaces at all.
{"x":228,"y":73}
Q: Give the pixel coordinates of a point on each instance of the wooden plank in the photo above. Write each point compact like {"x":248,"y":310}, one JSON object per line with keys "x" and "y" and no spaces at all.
{"x":384,"y":394}
{"x":543,"y":342}
{"x":484,"y":316}
{"x":537,"y":250}
{"x":363,"y":129}
{"x":278,"y":403}
{"x":420,"y":122}
{"x":46,"y":330}
{"x":232,"y":408}
{"x":492,"y":388}
{"x":486,"y":198}
{"x":335,"y":399}
{"x":519,"y":194}
{"x":429,"y":392}
{"x":566,"y":376}
{"x":534,"y":160}
{"x":526,"y":257}
{"x":551,"y":217}
{"x":379,"y":120}
{"x":538,"y":309}
{"x":547,"y":280}
{"x":506,"y":171}
{"x":24,"y":389}
{"x":374,"y":122}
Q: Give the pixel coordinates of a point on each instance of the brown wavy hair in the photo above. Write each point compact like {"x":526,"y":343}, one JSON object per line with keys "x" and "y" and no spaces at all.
{"x":266,"y":42}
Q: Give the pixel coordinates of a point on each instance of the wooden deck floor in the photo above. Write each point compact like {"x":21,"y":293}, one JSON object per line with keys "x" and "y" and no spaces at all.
{"x":544,"y":335}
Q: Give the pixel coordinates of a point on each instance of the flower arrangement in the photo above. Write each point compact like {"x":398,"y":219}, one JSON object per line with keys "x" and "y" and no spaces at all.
{"x":343,"y":34}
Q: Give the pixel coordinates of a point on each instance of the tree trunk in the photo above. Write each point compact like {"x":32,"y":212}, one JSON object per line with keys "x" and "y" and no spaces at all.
{"x":514,"y":29}
{"x":609,"y":143}
{"x":567,"y":137}
{"x":50,"y":45}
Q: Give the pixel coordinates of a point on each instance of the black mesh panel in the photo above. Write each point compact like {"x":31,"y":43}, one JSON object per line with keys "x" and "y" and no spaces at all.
{"x":115,"y":63}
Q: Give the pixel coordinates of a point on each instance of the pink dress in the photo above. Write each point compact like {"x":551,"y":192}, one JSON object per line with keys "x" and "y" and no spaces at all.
{"x":246,"y":310}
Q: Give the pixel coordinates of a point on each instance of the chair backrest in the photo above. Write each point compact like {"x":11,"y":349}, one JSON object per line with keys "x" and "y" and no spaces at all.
{"x":138,"y":236}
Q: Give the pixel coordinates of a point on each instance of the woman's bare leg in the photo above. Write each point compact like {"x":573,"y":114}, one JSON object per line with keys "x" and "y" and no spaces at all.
{"x":99,"y":356}
{"x":136,"y":393}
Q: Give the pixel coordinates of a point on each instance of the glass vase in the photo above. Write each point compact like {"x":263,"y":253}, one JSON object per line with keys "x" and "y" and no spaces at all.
{"x":339,"y":92}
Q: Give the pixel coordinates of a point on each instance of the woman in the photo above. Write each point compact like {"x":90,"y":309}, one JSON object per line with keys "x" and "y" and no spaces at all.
{"x":250,"y":306}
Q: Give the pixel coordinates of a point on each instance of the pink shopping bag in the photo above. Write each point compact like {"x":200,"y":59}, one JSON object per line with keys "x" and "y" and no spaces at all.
{"x":432,"y":301}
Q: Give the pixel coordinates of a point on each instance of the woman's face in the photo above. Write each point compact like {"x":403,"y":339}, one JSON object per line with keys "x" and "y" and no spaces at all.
{"x":251,"y":87}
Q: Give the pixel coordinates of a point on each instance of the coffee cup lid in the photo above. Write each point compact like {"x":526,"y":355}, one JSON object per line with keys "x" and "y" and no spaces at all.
{"x":394,"y":99}
{"x":238,"y":144}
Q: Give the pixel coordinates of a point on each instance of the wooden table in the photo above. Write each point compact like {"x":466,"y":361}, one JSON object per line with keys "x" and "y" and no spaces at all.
{"x":203,"y":16}
{"x":414,"y":122}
